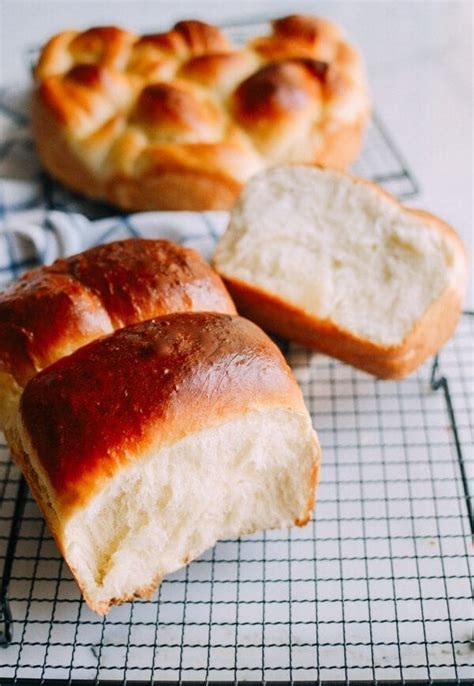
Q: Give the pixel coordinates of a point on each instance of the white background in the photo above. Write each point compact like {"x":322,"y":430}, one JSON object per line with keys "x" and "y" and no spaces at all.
{"x":418,"y":54}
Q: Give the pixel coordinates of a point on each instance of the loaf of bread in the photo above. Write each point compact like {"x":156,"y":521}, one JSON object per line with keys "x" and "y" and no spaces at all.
{"x":147,"y":446}
{"x":182,"y":119}
{"x":51,"y":311}
{"x":335,"y":263}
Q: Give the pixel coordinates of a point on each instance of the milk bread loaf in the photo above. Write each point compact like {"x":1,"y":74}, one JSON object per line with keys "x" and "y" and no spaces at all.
{"x":147,"y":446}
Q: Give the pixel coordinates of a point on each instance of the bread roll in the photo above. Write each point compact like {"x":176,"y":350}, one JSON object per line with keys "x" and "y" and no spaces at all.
{"x":335,"y":263}
{"x":182,"y":119}
{"x":51,"y":311}
{"x":147,"y":446}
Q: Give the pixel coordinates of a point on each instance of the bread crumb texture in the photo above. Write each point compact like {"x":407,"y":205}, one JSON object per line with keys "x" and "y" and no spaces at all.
{"x":154,"y":517}
{"x":339,"y":249}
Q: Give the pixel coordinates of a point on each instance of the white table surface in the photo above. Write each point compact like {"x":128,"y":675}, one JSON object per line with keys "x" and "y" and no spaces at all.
{"x":418,"y":55}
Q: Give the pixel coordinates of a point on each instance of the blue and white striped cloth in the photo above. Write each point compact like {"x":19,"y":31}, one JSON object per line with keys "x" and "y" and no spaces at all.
{"x":32,"y":233}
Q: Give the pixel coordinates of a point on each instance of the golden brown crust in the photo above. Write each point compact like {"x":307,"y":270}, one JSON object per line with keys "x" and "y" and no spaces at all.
{"x":300,"y":35}
{"x":190,"y":189}
{"x":24,"y":463}
{"x":220,"y":71}
{"x":177,"y":175}
{"x":107,"y":101}
{"x":313,"y":482}
{"x":277,"y":91}
{"x":56,"y":153}
{"x":171,"y":111}
{"x":51,"y":311}
{"x":129,"y":390}
{"x":189,"y":38}
{"x":434,"y":328}
{"x":341,"y":145}
{"x":386,"y":362}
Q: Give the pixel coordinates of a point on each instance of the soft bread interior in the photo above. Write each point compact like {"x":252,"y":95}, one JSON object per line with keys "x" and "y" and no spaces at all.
{"x":252,"y":472}
{"x":340,"y":250}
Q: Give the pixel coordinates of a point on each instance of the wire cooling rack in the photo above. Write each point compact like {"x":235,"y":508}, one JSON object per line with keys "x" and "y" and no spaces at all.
{"x":376,"y":587}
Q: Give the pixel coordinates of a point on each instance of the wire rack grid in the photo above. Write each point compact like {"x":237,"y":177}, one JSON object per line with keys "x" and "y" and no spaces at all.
{"x":376,"y":588}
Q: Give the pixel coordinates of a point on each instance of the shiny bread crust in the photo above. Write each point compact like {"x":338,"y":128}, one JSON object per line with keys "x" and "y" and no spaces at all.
{"x":53,"y":310}
{"x":181,"y":120}
{"x":144,"y":386}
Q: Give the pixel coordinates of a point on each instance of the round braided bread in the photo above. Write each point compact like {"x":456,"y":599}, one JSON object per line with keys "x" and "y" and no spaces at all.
{"x":181,"y":120}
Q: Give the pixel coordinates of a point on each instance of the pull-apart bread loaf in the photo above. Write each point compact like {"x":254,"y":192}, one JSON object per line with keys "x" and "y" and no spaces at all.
{"x":182,"y":119}
{"x":51,"y":311}
{"x":335,"y":263}
{"x":147,"y":446}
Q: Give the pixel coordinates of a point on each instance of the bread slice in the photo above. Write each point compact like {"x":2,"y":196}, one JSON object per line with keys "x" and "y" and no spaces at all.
{"x":147,"y":446}
{"x":336,"y":263}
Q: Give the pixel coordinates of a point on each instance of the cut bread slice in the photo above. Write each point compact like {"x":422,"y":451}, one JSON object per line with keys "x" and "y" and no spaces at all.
{"x":336,"y":263}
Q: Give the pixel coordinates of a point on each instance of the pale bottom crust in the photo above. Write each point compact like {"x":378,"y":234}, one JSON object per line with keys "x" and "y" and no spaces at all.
{"x":175,"y":188}
{"x":280,"y":317}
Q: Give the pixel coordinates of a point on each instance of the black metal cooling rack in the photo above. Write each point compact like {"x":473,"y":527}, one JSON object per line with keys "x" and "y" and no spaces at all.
{"x":377,"y":587}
